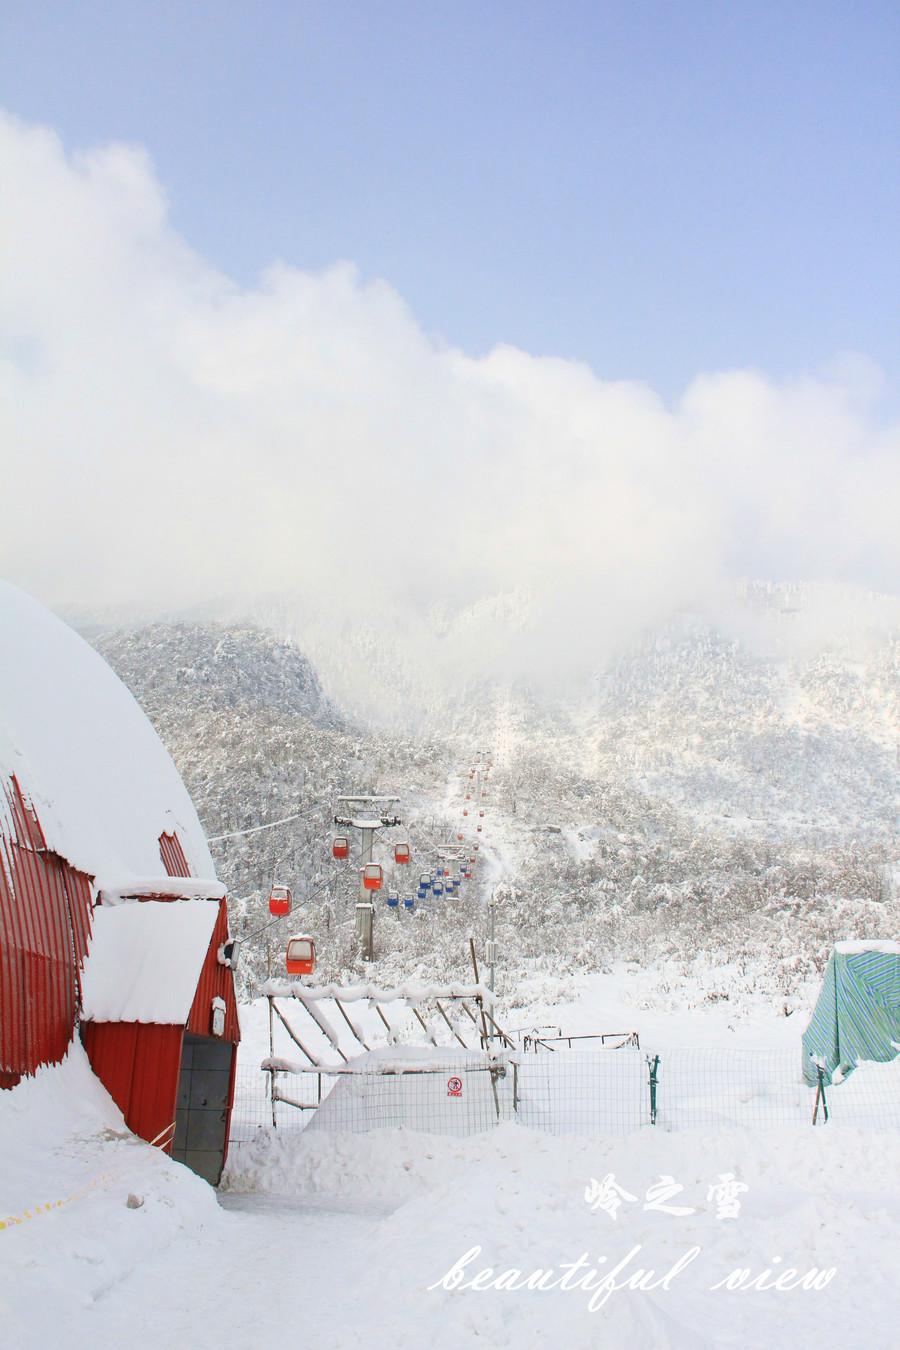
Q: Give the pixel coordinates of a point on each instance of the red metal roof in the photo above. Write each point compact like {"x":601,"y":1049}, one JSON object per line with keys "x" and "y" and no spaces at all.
{"x":172,"y":854}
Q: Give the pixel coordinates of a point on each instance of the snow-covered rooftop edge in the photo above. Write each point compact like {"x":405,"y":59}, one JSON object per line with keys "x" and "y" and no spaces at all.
{"x":101,"y":782}
{"x":110,"y":892}
{"x":145,"y":960}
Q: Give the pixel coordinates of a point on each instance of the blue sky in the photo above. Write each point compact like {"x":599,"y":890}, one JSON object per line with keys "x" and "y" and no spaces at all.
{"x":657,"y":189}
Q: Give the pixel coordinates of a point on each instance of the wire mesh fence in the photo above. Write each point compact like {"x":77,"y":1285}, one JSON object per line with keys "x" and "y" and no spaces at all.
{"x":612,"y":1091}
{"x":253,"y":1110}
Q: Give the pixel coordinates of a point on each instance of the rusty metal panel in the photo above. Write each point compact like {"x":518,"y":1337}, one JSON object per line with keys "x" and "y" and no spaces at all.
{"x":215,"y":980}
{"x":172,"y":855}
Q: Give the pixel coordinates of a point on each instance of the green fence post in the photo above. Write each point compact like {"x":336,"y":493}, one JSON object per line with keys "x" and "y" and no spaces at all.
{"x":654,"y":1068}
{"x":820,"y":1096}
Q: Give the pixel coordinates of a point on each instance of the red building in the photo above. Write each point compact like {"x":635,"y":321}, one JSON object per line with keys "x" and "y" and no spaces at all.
{"x":112,"y":920}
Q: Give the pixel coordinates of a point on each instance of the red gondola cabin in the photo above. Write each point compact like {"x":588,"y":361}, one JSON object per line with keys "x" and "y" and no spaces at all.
{"x":300,"y":957}
{"x":280,"y":901}
{"x":401,"y":853}
{"x":341,"y":847}
{"x":372,"y":876}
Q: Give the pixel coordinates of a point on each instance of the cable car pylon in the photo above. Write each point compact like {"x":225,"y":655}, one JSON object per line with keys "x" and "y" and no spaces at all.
{"x":370,"y":874}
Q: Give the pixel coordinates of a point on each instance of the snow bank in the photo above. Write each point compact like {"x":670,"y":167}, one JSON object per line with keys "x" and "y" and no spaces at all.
{"x":145,"y":959}
{"x":825,"y":1198}
{"x":63,"y":1139}
{"x":873,"y":945}
{"x":99,"y":777}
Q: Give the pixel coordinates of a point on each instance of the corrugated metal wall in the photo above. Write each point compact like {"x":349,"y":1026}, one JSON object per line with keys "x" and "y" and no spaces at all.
{"x":138,"y":1064}
{"x":45,"y":921}
{"x":215,"y":980}
{"x":172,"y":855}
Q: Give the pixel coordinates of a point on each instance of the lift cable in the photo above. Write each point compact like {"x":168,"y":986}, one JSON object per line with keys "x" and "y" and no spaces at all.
{"x":254,"y":829}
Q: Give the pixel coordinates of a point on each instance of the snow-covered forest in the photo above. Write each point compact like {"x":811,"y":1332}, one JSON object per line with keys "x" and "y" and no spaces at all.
{"x":718,"y":806}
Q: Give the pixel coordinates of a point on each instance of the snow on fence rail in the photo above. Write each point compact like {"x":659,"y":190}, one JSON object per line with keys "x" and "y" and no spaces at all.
{"x":588,"y":1092}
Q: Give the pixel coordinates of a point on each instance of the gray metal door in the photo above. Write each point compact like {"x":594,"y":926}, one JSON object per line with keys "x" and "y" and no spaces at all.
{"x":201,"y":1115}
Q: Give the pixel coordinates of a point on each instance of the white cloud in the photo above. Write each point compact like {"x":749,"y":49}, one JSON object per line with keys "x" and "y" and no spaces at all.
{"x":172,"y":440}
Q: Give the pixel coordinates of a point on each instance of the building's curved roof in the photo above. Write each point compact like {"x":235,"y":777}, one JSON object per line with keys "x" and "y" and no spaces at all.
{"x":100,"y":780}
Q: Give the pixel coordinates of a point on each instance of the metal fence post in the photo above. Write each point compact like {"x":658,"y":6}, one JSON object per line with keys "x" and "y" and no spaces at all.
{"x":820,"y":1096}
{"x":654,"y":1069}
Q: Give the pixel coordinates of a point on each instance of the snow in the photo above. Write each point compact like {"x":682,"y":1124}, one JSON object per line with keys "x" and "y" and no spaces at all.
{"x":101,"y":781}
{"x":353,"y":993}
{"x":63,"y":1139}
{"x":857,"y":948}
{"x":815,"y":1199}
{"x":145,"y":960}
{"x":339,"y":1238}
{"x":176,"y":888}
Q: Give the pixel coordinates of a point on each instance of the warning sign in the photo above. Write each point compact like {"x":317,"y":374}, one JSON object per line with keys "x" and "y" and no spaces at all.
{"x":454,"y":1087}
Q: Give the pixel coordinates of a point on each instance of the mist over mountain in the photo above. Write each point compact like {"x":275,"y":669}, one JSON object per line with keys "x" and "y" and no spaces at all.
{"x":725,"y":793}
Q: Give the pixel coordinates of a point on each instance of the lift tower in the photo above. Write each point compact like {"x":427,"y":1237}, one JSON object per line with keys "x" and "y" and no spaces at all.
{"x":366,"y":814}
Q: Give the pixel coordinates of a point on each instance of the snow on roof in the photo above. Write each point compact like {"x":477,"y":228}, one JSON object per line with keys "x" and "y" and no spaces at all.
{"x":145,"y":960}
{"x":875,"y":945}
{"x":114,"y":892}
{"x":352,"y":993}
{"x":100,"y":779}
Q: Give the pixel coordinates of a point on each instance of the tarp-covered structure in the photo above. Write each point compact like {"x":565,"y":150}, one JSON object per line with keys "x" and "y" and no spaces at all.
{"x":857,"y":1014}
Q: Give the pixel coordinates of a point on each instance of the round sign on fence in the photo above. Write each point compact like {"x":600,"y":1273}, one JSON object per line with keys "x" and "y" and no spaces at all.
{"x":454,"y":1087}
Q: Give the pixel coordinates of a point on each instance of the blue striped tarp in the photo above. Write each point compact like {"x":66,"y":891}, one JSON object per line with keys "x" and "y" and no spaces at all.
{"x":857,"y":1014}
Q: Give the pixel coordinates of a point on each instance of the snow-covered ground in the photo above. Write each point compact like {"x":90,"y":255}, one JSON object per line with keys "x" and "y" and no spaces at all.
{"x":337,"y":1240}
{"x":715,"y":1009}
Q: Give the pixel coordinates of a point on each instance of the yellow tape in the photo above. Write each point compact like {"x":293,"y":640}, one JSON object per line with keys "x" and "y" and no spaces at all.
{"x":103,"y":1180}
{"x":14,"y":1219}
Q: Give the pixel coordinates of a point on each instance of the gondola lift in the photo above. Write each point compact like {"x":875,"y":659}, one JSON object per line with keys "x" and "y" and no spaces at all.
{"x":300,"y":957}
{"x":401,"y":853}
{"x":393,"y":899}
{"x":372,"y":876}
{"x":341,"y":847}
{"x":280,"y":901}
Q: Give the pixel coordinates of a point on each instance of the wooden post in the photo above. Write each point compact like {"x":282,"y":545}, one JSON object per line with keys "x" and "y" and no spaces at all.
{"x":485,"y":1042}
{"x":450,"y":1025}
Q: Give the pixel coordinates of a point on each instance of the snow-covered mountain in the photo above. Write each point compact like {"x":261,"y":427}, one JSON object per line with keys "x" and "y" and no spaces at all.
{"x":726,"y":789}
